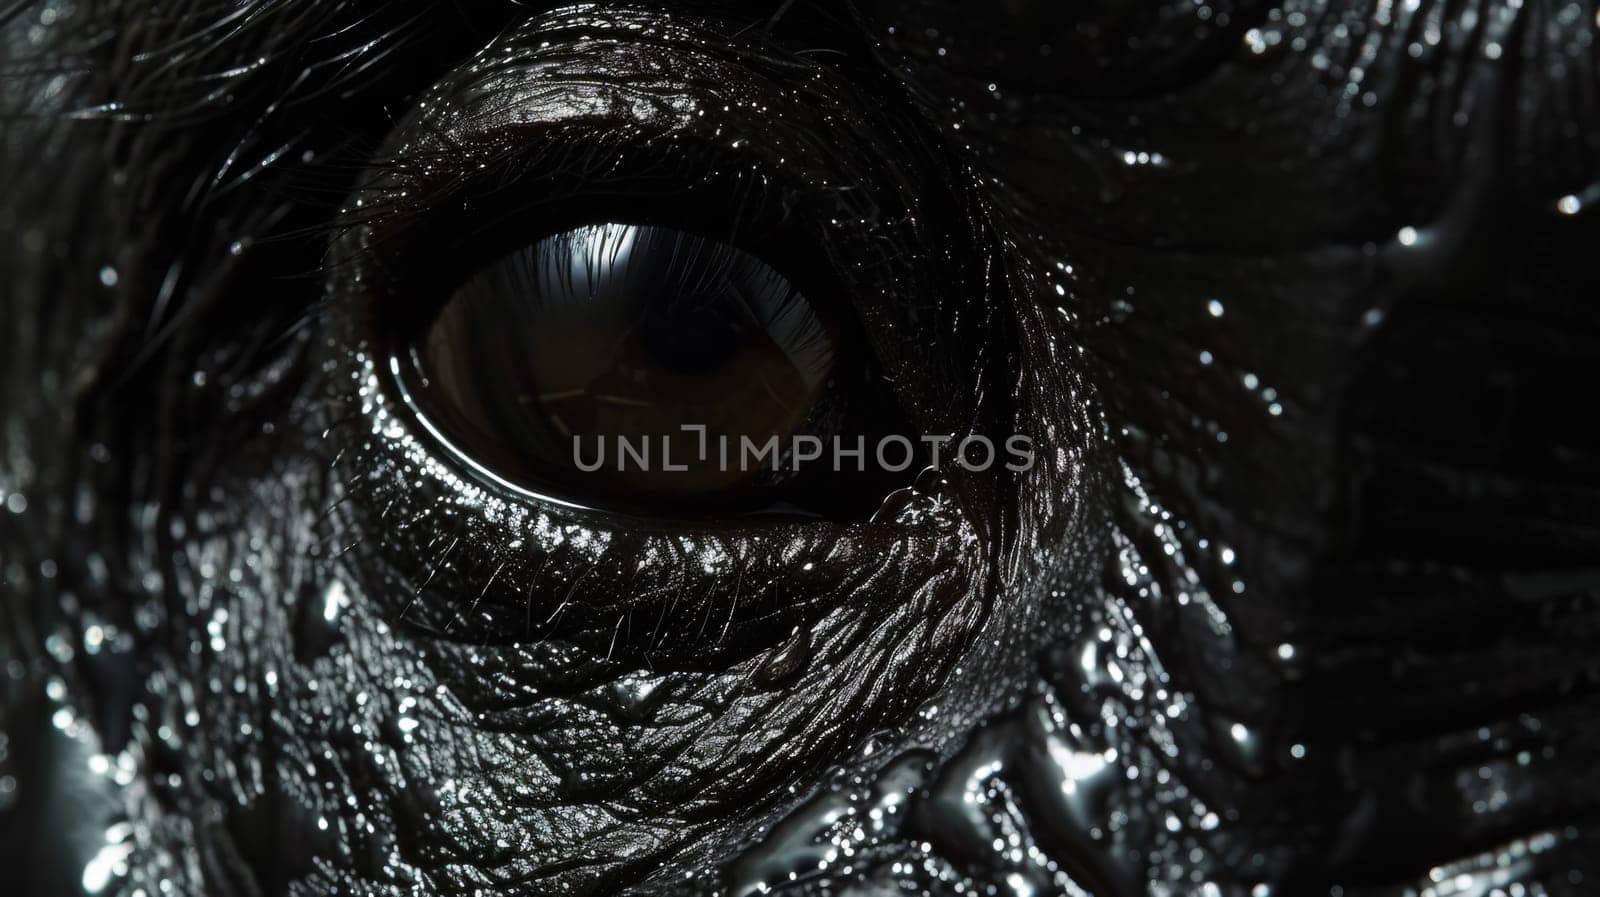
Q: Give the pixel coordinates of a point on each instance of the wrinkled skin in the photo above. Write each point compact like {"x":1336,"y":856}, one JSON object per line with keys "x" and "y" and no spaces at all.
{"x":1298,"y":301}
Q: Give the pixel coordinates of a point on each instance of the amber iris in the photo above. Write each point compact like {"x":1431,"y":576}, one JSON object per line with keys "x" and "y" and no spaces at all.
{"x":611,"y":333}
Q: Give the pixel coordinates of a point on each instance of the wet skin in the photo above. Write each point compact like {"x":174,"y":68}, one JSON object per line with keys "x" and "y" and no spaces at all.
{"x":1297,"y":302}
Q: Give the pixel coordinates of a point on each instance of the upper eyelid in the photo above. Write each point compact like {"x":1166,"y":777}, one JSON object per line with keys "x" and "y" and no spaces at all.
{"x":881,"y":200}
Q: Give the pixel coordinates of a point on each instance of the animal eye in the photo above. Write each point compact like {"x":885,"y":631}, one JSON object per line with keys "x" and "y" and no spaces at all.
{"x":642,"y":367}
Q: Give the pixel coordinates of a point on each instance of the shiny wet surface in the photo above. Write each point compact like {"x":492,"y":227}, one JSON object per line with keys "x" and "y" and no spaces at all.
{"x":1300,"y":600}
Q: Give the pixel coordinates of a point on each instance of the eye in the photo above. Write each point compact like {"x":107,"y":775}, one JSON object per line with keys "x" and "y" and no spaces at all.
{"x":641,"y":367}
{"x":545,"y":250}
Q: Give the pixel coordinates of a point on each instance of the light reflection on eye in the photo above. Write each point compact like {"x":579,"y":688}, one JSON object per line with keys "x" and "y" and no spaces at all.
{"x":611,"y":332}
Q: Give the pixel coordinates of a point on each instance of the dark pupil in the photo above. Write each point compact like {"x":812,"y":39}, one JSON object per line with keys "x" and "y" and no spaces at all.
{"x":620,"y":331}
{"x":693,"y":336}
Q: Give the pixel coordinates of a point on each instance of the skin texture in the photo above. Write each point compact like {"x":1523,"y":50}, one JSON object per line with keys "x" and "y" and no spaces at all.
{"x":1296,"y":301}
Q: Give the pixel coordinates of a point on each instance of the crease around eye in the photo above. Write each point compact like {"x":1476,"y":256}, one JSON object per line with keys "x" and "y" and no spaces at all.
{"x":823,"y":235}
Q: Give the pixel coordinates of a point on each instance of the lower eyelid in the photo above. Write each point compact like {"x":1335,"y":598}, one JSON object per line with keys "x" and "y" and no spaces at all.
{"x":467,"y":564}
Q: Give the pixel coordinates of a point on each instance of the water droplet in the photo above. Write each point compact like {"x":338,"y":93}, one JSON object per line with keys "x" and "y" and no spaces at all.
{"x":787,"y":660}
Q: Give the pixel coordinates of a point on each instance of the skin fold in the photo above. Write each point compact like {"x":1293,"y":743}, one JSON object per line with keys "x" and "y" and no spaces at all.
{"x":1296,"y":302}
